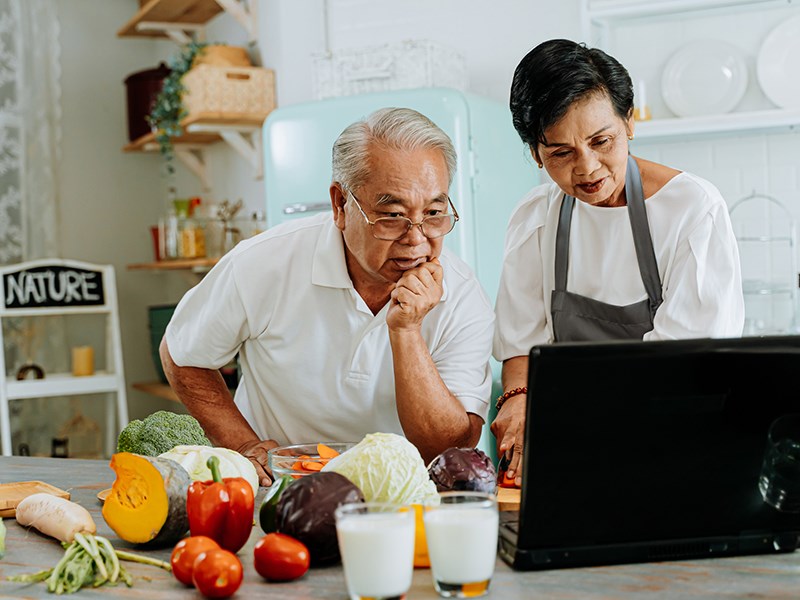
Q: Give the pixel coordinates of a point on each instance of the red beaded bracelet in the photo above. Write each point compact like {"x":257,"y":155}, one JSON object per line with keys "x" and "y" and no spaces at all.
{"x":510,"y":394}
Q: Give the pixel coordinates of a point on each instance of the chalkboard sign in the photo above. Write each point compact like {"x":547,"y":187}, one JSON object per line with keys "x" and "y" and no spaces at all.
{"x":53,"y":285}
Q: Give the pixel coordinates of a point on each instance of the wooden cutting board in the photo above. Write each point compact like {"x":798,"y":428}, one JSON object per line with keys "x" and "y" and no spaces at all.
{"x":12,"y":494}
{"x":508,"y":498}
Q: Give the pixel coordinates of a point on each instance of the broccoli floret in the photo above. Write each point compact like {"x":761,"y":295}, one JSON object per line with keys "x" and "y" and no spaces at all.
{"x":160,"y":432}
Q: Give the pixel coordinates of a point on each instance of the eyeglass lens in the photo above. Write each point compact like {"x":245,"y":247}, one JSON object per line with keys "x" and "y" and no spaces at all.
{"x":393,"y":228}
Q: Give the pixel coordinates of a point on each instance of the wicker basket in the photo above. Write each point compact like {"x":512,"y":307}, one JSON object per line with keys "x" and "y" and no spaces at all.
{"x":403,"y":65}
{"x":243,"y":92}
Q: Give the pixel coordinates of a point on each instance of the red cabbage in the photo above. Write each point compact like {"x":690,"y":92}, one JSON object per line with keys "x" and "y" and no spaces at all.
{"x":306,"y":509}
{"x":458,"y":469}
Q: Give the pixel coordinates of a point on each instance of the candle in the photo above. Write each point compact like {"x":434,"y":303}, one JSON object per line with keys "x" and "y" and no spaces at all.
{"x":82,"y":361}
{"x":642,"y":93}
{"x":641,"y":112}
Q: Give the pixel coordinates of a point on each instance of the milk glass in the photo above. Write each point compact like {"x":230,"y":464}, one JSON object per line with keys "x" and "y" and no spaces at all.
{"x":376,"y":541}
{"x":462,"y":543}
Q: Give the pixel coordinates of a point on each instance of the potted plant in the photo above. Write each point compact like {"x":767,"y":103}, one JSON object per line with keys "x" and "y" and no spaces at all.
{"x":168,"y":111}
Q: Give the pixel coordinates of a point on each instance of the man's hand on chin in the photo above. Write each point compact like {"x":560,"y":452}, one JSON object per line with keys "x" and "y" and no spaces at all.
{"x":414,"y":295}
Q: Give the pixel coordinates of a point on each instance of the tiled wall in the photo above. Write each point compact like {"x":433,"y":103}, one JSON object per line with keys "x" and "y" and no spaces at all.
{"x":764,"y":163}
{"x":769,"y":166}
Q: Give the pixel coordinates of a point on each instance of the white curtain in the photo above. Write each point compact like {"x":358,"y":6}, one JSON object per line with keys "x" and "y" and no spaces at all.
{"x":30,"y":97}
{"x":29,"y":129}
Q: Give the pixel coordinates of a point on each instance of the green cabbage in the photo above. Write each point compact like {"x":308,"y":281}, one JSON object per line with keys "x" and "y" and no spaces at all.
{"x":231,"y":464}
{"x":387,"y":468}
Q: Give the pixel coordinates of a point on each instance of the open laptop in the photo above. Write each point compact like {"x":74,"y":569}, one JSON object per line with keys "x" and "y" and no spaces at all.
{"x":649,"y":451}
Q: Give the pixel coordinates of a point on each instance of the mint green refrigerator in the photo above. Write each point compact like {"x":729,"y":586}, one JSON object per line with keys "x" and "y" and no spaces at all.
{"x":494,"y":168}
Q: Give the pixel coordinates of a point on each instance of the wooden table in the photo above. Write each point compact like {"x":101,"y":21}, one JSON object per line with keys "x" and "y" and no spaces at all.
{"x":773,"y":576}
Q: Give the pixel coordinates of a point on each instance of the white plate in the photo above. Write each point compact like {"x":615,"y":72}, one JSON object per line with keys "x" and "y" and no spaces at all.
{"x":778,"y":64}
{"x":704,"y":78}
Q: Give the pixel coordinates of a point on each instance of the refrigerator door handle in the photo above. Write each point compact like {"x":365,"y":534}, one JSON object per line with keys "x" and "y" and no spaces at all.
{"x":291,"y":209}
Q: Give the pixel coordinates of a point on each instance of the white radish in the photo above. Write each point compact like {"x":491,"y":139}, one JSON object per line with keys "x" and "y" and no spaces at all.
{"x":54,"y":516}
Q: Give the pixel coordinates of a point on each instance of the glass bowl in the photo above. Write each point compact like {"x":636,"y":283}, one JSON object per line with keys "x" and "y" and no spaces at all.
{"x":298,"y":460}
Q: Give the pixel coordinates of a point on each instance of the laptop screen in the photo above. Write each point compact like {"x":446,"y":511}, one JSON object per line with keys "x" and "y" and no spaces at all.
{"x":630,"y":442}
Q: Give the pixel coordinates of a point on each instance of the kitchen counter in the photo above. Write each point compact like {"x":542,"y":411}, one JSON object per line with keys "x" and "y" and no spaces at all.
{"x":768,"y":576}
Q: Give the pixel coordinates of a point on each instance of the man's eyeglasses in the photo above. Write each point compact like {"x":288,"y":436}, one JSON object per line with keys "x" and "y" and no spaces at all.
{"x":393,"y":228}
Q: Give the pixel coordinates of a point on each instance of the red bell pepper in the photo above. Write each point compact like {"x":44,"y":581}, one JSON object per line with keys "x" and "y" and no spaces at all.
{"x":221,"y":509}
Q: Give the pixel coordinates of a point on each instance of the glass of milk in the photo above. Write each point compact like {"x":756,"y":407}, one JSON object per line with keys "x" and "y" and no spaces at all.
{"x":376,"y":541}
{"x":462,"y":543}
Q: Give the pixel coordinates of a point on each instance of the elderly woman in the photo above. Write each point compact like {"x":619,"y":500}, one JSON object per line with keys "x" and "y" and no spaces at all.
{"x":616,"y":247}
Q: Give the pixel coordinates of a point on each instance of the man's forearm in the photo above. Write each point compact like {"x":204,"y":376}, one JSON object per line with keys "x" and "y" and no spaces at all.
{"x":432,"y":418}
{"x":207,"y":398}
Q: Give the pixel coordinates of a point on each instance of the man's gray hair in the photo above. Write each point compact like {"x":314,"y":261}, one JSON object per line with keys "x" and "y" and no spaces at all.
{"x":397,"y":128}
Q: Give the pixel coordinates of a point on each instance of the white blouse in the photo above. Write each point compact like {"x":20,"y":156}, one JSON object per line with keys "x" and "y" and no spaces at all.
{"x":698,"y":263}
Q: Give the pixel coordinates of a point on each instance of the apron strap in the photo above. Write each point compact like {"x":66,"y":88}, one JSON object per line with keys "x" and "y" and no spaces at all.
{"x":562,"y":242}
{"x":642,"y":241}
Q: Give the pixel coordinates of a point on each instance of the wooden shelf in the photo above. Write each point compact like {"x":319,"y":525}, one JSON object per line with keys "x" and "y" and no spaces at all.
{"x":175,"y":265}
{"x":181,"y":12}
{"x":156,"y":388}
{"x":206,"y":128}
{"x":200,"y":129}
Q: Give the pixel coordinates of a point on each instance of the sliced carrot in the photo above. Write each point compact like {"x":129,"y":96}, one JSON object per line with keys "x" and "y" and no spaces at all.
{"x":311,"y":465}
{"x":508,"y":482}
{"x":326,"y":451}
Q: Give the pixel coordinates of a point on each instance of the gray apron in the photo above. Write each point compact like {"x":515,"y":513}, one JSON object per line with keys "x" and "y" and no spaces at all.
{"x":578,"y":318}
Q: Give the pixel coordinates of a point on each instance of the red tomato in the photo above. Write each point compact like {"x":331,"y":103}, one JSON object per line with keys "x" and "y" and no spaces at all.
{"x":185,"y":553}
{"x":279,"y":557}
{"x":217,"y":573}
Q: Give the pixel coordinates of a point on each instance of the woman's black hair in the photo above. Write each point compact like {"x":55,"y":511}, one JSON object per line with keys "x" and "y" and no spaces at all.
{"x":557,"y":73}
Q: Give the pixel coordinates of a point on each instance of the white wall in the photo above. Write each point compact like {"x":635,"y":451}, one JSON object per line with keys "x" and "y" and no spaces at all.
{"x":109,"y":199}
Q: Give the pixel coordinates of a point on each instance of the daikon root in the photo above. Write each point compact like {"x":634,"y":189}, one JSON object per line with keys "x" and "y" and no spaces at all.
{"x":54,"y":516}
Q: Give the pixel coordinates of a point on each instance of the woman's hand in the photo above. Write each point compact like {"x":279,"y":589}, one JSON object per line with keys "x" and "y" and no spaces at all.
{"x":509,"y":430}
{"x":256,"y":451}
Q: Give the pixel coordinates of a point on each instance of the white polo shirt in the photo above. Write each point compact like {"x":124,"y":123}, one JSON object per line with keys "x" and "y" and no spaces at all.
{"x":316,"y":363}
{"x":694,"y":244}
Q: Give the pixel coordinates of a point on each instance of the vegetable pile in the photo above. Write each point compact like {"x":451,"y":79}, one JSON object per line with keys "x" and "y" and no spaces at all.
{"x":305,"y":511}
{"x":194,"y":459}
{"x":160,"y":432}
{"x":306,"y":464}
{"x":221,"y":509}
{"x":147,"y":503}
{"x":458,"y":469}
{"x":54,"y":516}
{"x":90,"y":560}
{"x":279,"y":557}
{"x":386,"y":467}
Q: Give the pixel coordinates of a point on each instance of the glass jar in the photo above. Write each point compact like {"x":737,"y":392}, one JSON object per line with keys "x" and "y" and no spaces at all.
{"x":192,"y":239}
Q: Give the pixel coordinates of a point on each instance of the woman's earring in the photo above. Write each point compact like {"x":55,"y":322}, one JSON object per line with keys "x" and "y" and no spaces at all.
{"x":540,"y":164}
{"x":630,"y":137}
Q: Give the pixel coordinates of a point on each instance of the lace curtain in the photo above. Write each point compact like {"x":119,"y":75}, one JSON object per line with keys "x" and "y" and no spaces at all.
{"x":29,"y":129}
{"x":29,"y":155}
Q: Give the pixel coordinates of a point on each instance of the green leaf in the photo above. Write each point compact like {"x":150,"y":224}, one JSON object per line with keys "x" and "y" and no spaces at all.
{"x":167,"y":111}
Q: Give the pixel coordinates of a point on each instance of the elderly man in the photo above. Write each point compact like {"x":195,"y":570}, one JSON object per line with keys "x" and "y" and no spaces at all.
{"x":348,"y":325}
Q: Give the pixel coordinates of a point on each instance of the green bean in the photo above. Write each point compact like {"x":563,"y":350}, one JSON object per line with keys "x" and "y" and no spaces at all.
{"x":90,"y":560}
